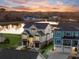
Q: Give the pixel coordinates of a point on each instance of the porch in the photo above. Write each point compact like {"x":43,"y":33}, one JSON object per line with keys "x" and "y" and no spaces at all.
{"x":68,"y":46}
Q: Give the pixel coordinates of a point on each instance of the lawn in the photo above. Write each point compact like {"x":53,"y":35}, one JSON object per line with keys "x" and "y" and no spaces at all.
{"x":14,"y":41}
{"x":47,"y":50}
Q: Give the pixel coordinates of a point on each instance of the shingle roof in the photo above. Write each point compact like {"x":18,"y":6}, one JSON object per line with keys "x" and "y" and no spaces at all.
{"x":14,"y":54}
{"x":28,"y":25}
{"x":27,"y":16}
{"x":41,"y":25}
{"x":27,"y":32}
{"x":68,"y":27}
{"x":37,"y":25}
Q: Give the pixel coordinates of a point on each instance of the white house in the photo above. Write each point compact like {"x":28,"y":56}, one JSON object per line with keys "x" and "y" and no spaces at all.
{"x":36,"y":34}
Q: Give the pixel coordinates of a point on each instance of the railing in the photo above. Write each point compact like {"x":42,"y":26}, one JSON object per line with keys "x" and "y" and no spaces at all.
{"x":70,"y":37}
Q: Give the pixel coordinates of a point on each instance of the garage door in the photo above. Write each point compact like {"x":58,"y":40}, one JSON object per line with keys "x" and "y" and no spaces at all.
{"x":67,"y":50}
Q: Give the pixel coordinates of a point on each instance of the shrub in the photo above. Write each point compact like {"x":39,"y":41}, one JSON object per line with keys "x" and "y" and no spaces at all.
{"x":7,"y":41}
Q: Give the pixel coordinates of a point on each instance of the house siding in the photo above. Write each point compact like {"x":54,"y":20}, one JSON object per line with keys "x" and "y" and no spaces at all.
{"x":24,"y":36}
{"x":58,"y":40}
{"x":44,"y":34}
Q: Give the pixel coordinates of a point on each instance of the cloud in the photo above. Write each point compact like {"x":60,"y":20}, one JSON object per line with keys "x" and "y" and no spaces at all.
{"x":59,"y":3}
{"x":26,"y":1}
{"x":22,"y":8}
{"x":19,"y":1}
{"x":43,"y":5}
{"x":67,"y":9}
{"x":47,"y":9}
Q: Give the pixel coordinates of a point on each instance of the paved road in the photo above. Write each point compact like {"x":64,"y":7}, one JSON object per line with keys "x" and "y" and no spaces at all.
{"x":58,"y":56}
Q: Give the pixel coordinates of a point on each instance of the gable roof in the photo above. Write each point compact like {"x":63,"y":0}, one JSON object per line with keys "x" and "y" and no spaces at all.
{"x":17,"y":54}
{"x":37,"y":25}
{"x":41,"y":25}
{"x":28,"y":25}
{"x":27,"y":32}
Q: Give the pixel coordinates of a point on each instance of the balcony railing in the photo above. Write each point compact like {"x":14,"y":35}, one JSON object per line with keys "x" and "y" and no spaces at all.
{"x":70,"y":37}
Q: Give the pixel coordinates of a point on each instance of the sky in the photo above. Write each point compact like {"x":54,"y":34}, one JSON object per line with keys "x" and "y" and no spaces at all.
{"x":41,"y":5}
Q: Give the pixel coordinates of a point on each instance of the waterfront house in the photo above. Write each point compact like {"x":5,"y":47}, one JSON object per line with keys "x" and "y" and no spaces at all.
{"x":66,"y":38}
{"x":36,"y":34}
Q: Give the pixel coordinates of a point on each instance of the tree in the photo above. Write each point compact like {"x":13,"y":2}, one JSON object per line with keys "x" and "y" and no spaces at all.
{"x":2,"y":10}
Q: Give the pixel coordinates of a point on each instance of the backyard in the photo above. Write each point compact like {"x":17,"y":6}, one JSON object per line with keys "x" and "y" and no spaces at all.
{"x":14,"y":41}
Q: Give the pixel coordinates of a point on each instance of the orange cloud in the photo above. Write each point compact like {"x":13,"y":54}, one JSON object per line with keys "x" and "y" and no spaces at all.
{"x":43,"y":6}
{"x":48,"y":9}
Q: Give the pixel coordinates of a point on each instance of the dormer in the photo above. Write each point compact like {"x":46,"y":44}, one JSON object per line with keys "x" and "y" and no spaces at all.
{"x":33,"y":30}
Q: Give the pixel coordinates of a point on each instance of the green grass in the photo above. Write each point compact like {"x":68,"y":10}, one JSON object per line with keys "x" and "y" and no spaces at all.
{"x":47,"y":50}
{"x":14,"y":41}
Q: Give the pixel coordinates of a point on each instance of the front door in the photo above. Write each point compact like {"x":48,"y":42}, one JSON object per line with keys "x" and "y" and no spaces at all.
{"x":25,"y":42}
{"x":37,"y":44}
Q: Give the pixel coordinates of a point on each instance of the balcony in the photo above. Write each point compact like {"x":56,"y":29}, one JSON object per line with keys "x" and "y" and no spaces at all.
{"x":70,"y":37}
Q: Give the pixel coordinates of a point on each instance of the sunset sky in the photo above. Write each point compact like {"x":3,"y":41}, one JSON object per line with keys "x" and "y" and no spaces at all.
{"x":41,"y":5}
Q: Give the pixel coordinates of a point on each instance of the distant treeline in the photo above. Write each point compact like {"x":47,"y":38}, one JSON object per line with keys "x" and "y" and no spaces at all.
{"x":18,"y":16}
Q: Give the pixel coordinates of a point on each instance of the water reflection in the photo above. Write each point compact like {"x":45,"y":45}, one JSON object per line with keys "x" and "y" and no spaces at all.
{"x":12,"y":28}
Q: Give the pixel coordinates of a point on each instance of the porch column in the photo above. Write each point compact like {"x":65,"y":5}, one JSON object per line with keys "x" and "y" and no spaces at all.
{"x":62,"y":46}
{"x":71,"y":43}
{"x":78,"y":46}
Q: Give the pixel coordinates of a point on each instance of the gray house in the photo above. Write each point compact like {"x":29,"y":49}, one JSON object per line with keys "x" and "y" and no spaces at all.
{"x":36,"y":34}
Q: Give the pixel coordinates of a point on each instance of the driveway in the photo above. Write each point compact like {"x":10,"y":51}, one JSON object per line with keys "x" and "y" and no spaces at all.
{"x":58,"y":55}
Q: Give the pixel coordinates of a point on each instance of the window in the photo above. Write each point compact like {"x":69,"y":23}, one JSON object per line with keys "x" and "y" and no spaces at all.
{"x":57,"y":41}
{"x":57,"y":34}
{"x":67,"y":33}
{"x":66,"y":42}
{"x":76,"y":34}
{"x":33,"y":30}
{"x":74,"y":43}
